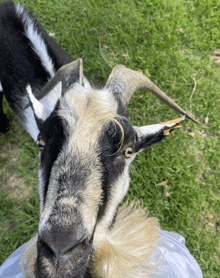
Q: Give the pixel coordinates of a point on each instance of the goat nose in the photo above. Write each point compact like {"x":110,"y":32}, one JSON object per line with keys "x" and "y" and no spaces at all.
{"x":60,"y":240}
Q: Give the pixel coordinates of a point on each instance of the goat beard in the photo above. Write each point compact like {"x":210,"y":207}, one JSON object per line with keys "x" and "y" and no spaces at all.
{"x":121,"y":252}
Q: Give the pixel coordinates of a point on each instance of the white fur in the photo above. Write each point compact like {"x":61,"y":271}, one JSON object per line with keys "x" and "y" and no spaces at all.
{"x":48,"y":102}
{"x":107,"y":97}
{"x":148,"y":129}
{"x":118,"y":192}
{"x":86,"y":83}
{"x":41,"y":186}
{"x":1,"y":89}
{"x":30,"y":124}
{"x":19,"y":9}
{"x":38,"y":108}
{"x":38,"y":44}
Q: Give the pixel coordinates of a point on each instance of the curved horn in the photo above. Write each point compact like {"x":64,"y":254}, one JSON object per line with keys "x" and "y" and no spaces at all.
{"x":126,"y":82}
{"x":67,"y":74}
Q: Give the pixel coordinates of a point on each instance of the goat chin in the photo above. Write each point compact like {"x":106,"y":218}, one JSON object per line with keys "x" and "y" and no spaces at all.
{"x":122,"y":252}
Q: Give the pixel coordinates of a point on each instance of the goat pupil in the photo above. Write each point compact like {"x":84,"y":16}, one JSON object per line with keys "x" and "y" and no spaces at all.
{"x":128,"y":152}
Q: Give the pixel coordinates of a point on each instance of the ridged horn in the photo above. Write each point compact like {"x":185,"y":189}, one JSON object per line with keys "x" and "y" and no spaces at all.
{"x":67,"y":74}
{"x":124,"y":82}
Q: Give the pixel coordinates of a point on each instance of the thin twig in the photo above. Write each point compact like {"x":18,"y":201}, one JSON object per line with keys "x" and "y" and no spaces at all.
{"x":175,"y":82}
{"x":100,"y":48}
{"x":190,"y":99}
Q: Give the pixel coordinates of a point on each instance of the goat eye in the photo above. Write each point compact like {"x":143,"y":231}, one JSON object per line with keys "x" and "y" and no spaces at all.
{"x":41,"y":145}
{"x":128,"y":152}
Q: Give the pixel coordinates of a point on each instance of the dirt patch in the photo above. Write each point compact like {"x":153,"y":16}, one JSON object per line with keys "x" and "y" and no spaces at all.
{"x":12,"y":225}
{"x":216,"y":57}
{"x":210,"y":221}
{"x":14,"y":185}
{"x":17,"y":188}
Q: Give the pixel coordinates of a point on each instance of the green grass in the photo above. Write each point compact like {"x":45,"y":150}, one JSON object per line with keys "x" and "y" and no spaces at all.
{"x":178,"y":180}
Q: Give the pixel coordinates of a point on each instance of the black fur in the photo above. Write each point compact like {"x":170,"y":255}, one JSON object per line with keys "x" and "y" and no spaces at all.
{"x":112,"y":155}
{"x":53,"y":135}
{"x":19,"y":64}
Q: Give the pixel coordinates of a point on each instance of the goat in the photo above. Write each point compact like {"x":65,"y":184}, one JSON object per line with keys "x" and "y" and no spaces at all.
{"x":86,"y":145}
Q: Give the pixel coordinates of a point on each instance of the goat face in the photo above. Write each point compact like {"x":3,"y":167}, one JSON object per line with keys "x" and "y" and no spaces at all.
{"x":86,"y":146}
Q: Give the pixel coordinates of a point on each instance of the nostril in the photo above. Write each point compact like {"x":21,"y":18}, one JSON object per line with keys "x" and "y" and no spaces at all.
{"x":82,"y":243}
{"x":44,"y":246}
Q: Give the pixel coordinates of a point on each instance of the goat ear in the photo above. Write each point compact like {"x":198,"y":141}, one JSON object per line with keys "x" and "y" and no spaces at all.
{"x":152,"y":134}
{"x":40,"y":112}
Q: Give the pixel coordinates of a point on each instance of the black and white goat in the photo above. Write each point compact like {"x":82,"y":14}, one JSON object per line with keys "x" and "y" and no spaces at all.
{"x":86,"y":145}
